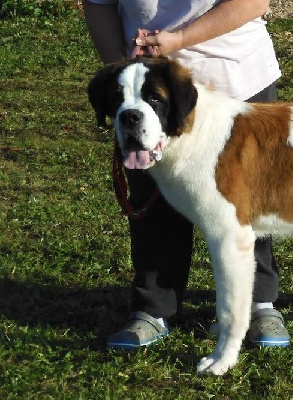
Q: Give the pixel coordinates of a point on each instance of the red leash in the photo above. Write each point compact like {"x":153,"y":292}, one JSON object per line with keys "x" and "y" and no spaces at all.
{"x":120,"y":188}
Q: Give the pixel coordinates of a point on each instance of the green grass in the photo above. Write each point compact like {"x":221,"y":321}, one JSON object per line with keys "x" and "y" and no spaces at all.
{"x":65,"y":268}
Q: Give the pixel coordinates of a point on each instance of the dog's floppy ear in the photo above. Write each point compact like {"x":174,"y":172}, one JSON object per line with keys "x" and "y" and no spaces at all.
{"x":101,"y":91}
{"x":183,"y":98}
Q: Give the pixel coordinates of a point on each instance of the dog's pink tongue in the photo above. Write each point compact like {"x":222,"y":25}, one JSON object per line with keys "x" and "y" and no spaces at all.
{"x":136,"y":159}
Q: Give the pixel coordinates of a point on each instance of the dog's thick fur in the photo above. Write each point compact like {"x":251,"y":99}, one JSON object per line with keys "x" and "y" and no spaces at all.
{"x":226,"y":165}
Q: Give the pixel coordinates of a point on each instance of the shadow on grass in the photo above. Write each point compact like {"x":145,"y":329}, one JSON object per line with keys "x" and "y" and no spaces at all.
{"x":81,"y":310}
{"x":100,"y":311}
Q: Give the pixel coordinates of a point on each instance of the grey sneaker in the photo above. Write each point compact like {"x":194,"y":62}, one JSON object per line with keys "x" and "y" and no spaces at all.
{"x":141,"y":330}
{"x":267,"y":329}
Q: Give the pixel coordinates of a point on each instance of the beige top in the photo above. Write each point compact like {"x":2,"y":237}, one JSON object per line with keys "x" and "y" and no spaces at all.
{"x":240,"y":63}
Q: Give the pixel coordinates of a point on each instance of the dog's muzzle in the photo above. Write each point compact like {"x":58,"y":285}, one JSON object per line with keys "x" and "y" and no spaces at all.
{"x":135,"y":156}
{"x":130,"y":119}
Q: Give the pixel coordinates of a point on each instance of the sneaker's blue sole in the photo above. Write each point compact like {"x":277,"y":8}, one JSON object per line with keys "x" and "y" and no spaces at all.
{"x":132,"y":346}
{"x":269,"y":342}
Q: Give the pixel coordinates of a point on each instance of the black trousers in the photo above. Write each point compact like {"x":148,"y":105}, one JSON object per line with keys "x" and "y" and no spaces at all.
{"x":161,"y":249}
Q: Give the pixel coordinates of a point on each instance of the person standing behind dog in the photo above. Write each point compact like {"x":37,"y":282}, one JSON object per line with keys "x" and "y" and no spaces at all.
{"x":226,"y":46}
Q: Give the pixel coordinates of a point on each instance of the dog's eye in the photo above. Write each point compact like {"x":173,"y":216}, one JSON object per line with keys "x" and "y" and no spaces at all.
{"x":119,"y":91}
{"x":118,"y":98}
{"x":156,"y":98}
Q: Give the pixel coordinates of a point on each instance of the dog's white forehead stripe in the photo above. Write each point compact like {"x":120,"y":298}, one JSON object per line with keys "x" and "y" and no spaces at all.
{"x":131,"y":79}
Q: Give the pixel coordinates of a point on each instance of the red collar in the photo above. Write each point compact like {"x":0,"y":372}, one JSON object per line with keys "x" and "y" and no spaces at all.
{"x":120,"y":188}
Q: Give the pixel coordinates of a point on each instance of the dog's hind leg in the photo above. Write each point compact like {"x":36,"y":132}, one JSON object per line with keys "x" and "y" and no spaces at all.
{"x":234,"y":266}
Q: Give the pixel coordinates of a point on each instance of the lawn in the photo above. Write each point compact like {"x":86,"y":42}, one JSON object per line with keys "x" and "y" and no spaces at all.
{"x":65,"y":268}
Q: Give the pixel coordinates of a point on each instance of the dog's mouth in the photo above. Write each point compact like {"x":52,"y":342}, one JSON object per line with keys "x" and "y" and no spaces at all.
{"x":136,"y":157}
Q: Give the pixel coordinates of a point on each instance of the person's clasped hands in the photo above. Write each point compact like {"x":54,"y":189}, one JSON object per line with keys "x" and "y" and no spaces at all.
{"x":157,"y":43}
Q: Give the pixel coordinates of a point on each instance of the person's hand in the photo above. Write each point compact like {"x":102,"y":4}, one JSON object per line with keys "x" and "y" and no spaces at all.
{"x":162,"y":43}
{"x":156,"y":43}
{"x":142,"y":50}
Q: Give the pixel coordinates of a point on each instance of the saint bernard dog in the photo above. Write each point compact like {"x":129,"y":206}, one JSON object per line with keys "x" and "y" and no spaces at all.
{"x":226,"y":165}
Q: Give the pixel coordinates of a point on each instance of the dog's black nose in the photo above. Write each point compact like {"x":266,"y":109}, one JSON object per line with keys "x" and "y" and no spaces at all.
{"x":130,"y":118}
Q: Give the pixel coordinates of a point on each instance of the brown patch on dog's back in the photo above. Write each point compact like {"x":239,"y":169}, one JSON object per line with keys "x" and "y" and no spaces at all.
{"x":255,"y":170}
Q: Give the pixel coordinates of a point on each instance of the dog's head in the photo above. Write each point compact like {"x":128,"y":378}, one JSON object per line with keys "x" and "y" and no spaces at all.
{"x":150,"y":100}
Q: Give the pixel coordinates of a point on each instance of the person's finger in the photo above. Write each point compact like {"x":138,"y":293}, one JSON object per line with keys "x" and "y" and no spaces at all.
{"x":137,"y":51}
{"x":146,"y":41}
{"x":154,"y":51}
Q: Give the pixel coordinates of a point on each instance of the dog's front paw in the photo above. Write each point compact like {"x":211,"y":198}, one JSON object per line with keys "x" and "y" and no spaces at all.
{"x":215,"y":365}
